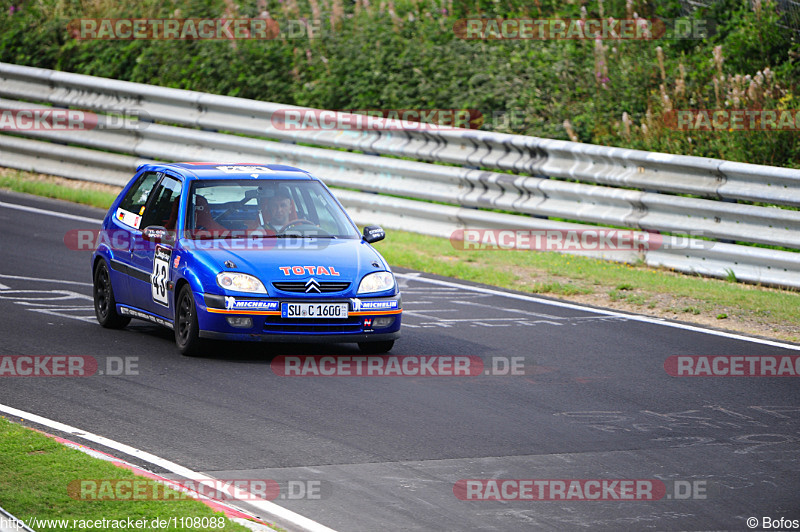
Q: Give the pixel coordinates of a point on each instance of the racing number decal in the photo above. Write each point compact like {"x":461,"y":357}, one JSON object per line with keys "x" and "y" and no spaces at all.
{"x":160,"y":276}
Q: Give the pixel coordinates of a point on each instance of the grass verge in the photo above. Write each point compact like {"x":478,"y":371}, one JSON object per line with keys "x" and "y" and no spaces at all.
{"x":39,"y":478}
{"x":724,"y":304}
{"x":87,"y":193}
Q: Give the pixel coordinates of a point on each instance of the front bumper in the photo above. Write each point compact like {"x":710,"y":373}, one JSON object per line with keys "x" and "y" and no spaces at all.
{"x":363,"y":323}
{"x":303,"y":338}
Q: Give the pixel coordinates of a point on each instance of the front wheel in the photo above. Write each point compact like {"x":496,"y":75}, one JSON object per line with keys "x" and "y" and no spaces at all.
{"x":376,"y":348}
{"x":187,"y":331}
{"x":105,"y":306}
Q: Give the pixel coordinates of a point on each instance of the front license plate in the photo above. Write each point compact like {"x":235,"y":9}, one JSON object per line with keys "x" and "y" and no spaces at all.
{"x":314,"y":310}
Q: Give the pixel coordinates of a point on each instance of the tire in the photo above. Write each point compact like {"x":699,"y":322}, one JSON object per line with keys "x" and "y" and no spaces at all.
{"x":376,"y":348}
{"x":187,"y":331}
{"x":105,"y":305}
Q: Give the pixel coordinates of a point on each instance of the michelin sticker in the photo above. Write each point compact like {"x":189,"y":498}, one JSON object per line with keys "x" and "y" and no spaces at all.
{"x":231,"y":303}
{"x":359,"y":305}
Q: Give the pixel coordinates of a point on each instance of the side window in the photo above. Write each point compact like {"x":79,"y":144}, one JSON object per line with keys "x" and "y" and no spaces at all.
{"x":163,"y":208}
{"x":136,"y":198}
{"x":323,"y":206}
{"x":300,"y":202}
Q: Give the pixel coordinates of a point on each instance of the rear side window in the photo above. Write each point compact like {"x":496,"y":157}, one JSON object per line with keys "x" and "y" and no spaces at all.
{"x":136,"y":198}
{"x":163,"y":209}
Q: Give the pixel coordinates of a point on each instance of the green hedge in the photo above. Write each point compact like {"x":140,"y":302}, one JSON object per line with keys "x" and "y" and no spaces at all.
{"x":403,"y":54}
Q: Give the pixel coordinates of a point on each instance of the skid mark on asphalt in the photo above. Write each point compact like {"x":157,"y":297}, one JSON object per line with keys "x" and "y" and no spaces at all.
{"x":766,"y":430}
{"x":445,"y":307}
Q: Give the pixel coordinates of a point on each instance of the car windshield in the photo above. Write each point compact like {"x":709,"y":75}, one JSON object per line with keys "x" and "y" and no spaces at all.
{"x":270,"y":209}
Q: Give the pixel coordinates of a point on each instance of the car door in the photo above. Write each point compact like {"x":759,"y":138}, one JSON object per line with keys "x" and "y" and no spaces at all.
{"x":123,"y":229}
{"x":150,"y":259}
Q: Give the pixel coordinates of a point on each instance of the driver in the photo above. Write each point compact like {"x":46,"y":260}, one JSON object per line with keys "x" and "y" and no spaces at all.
{"x":277,"y":210}
{"x":281,"y":208}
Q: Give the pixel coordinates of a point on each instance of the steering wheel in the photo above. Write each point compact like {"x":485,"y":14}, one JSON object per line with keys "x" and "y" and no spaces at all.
{"x":297,"y":222}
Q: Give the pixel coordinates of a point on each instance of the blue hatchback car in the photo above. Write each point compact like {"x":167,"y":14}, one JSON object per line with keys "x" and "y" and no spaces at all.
{"x":242,"y":252}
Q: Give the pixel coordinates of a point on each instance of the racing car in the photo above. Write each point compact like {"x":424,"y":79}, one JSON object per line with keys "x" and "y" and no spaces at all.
{"x":243,"y":252}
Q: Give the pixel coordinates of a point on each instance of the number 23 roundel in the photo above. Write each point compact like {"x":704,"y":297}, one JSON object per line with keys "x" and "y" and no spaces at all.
{"x":160,"y":276}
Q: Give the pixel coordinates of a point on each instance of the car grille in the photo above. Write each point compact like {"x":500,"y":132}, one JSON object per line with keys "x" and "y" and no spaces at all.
{"x":301,"y":286}
{"x":276,"y":324}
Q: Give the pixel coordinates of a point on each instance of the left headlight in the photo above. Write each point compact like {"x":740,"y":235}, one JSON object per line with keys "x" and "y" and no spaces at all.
{"x":376,"y":282}
{"x":241,"y":282}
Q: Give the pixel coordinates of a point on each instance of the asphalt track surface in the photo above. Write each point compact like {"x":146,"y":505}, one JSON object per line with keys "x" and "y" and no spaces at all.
{"x":384,"y":453}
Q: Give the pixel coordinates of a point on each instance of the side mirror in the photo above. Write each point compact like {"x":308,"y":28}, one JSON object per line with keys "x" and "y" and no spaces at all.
{"x":373,"y":233}
{"x":158,"y":235}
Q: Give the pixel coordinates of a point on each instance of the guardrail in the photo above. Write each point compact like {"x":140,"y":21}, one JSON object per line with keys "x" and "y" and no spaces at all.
{"x":522,"y":175}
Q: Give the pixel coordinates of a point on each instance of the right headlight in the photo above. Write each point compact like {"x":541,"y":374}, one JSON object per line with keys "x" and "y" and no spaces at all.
{"x":376,"y":282}
{"x":240,"y":282}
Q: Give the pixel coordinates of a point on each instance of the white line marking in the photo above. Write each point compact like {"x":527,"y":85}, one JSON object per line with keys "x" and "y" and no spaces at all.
{"x":266,"y":506}
{"x":54,"y":312}
{"x":511,"y":310}
{"x":52,"y":306}
{"x":473,"y":320}
{"x":4,"y":287}
{"x":434,"y":290}
{"x":253,"y":525}
{"x":421,"y":314}
{"x":50,"y":213}
{"x":39,"y":295}
{"x":631,"y":317}
{"x":442,"y":296}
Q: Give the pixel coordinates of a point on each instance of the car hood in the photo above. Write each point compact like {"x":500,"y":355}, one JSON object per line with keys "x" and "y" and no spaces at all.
{"x":280,"y":260}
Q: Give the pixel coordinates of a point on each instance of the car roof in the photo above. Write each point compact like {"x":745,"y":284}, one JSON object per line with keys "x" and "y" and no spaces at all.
{"x":209,"y":170}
